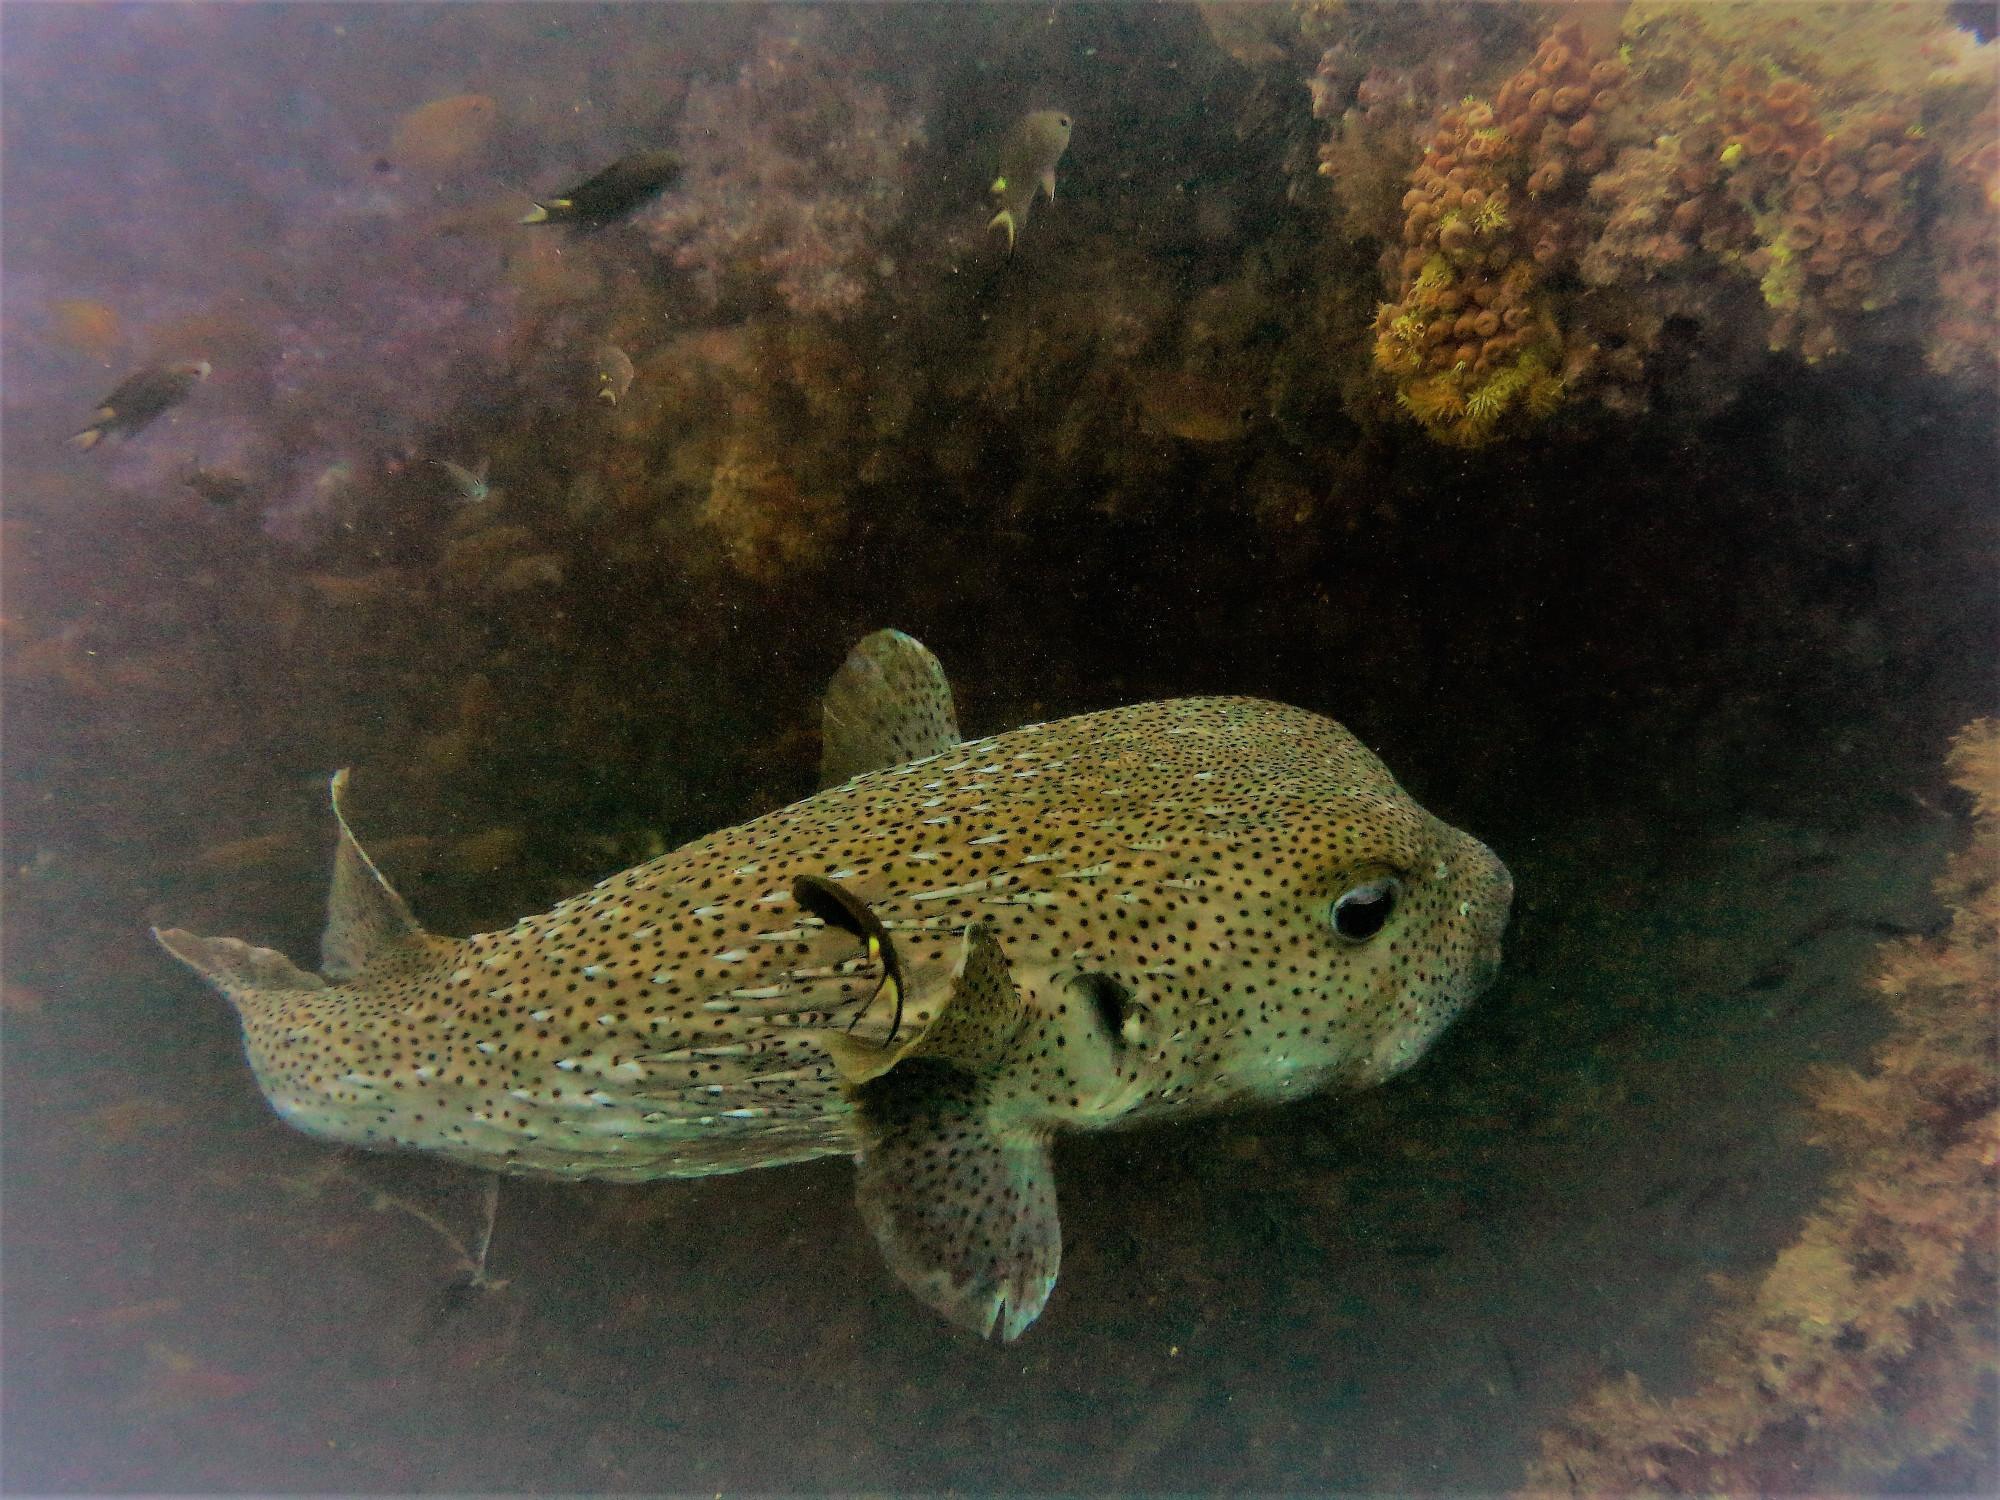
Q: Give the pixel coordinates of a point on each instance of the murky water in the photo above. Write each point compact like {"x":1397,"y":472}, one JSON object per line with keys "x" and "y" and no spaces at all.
{"x":1685,"y":650}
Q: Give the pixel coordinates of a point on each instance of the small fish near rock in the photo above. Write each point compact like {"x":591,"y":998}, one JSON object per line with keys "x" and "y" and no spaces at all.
{"x":219,"y":487}
{"x":614,"y":373}
{"x":445,"y":134}
{"x":471,"y":484}
{"x":142,"y":398}
{"x":1194,"y":407}
{"x":1028,"y":160}
{"x":952,"y":953}
{"x":611,"y":194}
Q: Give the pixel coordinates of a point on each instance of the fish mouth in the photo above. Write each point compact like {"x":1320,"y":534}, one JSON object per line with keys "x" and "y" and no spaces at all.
{"x":1494,"y":907}
{"x":1489,"y":903}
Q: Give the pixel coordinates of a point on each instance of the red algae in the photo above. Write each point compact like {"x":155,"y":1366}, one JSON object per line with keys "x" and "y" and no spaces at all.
{"x":1870,"y":1344}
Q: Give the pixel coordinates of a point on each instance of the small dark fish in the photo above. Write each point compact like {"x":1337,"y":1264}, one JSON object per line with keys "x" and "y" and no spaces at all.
{"x":612,"y":193}
{"x":1194,"y":407}
{"x":141,"y":398}
{"x":218,"y":486}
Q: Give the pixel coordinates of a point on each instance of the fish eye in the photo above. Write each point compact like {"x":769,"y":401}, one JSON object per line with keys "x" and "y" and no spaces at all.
{"x":1362,"y":912}
{"x":1065,"y":121}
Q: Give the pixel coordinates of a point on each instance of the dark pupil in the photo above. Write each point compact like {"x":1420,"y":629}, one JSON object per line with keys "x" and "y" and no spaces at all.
{"x":1360,"y":915}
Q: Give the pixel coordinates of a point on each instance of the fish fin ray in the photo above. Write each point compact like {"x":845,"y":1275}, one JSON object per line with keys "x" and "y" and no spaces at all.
{"x":365,"y":919}
{"x":965,"y":1215}
{"x":889,"y":704}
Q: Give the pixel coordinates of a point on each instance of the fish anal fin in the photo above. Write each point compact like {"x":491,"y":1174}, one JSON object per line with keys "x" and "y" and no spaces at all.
{"x":240,"y":971}
{"x":366,"y":921}
{"x":965,"y":1215}
{"x":889,"y":704}
{"x":1049,"y":183}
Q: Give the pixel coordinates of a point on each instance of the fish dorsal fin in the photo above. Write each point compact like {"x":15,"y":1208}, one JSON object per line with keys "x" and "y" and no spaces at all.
{"x":889,"y":704}
{"x":365,"y":919}
{"x":965,"y":1213}
{"x":242,"y":972}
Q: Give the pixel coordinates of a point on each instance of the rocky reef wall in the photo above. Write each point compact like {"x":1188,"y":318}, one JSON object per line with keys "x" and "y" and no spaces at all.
{"x":1590,"y":406}
{"x":1865,"y":1357}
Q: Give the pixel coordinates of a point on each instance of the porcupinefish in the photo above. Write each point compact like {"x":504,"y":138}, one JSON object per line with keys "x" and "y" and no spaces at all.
{"x":141,"y":398}
{"x":936,"y":963}
{"x":1028,"y":160}
{"x":610,"y":194}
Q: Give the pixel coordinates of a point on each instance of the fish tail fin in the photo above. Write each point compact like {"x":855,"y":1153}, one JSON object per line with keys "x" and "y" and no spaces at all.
{"x":1004,"y":218}
{"x":366,"y":921}
{"x":241,"y":972}
{"x":535,"y":215}
{"x":87,"y":439}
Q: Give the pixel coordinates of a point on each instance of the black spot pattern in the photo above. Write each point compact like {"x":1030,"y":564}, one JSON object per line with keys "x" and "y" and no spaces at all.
{"x":966,"y":1218}
{"x":671,"y":1020}
{"x":888,"y":704}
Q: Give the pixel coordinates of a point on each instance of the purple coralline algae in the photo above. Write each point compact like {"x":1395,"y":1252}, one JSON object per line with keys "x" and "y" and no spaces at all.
{"x":795,"y":170}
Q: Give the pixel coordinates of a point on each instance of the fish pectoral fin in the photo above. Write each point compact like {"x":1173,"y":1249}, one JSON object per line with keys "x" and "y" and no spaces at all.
{"x":365,"y":919}
{"x":965,"y":1215}
{"x":889,"y":704}
{"x":236,"y":968}
{"x":972,"y":1033}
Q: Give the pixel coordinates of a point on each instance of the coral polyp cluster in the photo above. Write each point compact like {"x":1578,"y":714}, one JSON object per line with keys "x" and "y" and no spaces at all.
{"x":1560,"y":109}
{"x":1463,"y":338}
{"x":1702,"y":156}
{"x":1491,"y":209}
{"x":1830,"y":211}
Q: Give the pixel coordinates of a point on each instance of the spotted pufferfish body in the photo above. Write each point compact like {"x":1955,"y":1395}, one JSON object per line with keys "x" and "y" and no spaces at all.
{"x":932,"y":966}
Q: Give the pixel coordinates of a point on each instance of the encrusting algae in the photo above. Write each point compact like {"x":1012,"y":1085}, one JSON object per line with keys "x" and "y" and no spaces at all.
{"x":1870,"y":1344}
